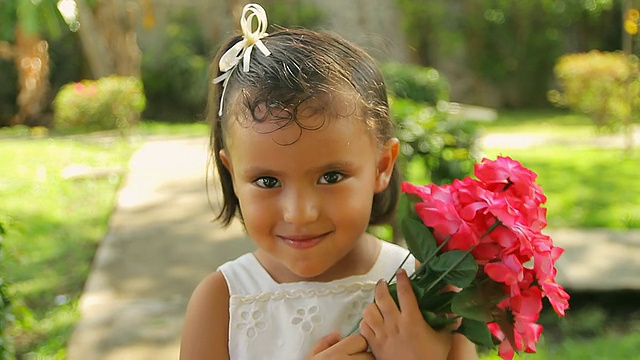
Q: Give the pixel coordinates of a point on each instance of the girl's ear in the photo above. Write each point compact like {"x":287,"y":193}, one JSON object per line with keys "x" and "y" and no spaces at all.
{"x":226,"y":160}
{"x":387,"y":160}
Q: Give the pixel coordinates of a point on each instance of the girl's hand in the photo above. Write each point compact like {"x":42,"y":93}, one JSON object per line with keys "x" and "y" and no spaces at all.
{"x":401,"y":333}
{"x":331,"y":347}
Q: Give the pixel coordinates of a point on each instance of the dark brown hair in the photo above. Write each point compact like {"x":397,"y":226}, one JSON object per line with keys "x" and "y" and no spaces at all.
{"x":303,"y":64}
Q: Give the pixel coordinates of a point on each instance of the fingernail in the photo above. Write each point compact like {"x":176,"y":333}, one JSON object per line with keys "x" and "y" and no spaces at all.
{"x":381,"y":282}
{"x":401,"y":272}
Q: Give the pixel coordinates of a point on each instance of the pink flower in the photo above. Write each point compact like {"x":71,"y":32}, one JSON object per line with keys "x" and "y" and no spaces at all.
{"x":438,"y":210}
{"x":424,"y":192}
{"x":527,"y":305}
{"x":544,"y":260}
{"x":507,"y":271}
{"x":498,"y":218}
{"x":558,"y":298}
{"x":527,"y":333}
{"x":78,"y":87}
{"x":507,"y":174}
{"x":505,"y":350}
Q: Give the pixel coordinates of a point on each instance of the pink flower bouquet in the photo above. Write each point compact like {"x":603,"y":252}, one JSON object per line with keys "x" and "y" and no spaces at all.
{"x":484,"y":237}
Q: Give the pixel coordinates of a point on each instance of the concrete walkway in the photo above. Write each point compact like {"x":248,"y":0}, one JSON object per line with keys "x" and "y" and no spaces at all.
{"x":162,"y":241}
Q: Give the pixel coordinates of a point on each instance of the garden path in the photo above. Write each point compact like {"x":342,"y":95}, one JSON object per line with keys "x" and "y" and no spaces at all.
{"x":162,"y":241}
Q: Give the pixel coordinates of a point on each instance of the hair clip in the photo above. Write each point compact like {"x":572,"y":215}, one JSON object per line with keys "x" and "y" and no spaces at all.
{"x":242,"y":49}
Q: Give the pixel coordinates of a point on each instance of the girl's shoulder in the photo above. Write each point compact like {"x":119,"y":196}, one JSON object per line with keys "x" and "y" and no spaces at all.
{"x":207,"y":320}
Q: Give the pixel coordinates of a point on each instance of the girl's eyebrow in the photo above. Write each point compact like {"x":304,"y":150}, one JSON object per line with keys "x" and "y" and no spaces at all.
{"x":334,"y":165}
{"x":254,"y":171}
{"x":257,"y":170}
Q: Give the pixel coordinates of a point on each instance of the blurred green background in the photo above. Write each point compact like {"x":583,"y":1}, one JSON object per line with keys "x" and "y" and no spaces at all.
{"x":553,"y":83}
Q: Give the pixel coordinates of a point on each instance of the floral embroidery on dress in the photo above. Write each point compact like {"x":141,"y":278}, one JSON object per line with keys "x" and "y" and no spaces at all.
{"x":355,"y":309}
{"x":306,"y":319}
{"x":252,"y":323}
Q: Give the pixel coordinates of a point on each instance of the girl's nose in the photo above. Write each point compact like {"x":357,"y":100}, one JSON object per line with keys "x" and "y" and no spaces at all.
{"x":300,"y":206}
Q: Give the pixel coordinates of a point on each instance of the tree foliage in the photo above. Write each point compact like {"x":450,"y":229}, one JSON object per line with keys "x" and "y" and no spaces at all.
{"x":603,"y":85}
{"x":509,"y":47}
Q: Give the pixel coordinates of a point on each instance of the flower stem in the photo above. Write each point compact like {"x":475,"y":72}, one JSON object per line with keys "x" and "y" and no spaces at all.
{"x":399,"y":267}
{"x":450,"y":268}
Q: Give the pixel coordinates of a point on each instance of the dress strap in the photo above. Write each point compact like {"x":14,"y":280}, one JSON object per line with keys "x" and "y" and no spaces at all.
{"x":390,"y":258}
{"x":245,"y":275}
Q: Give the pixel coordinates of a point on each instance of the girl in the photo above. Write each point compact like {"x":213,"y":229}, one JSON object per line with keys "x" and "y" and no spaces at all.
{"x":304,"y":149}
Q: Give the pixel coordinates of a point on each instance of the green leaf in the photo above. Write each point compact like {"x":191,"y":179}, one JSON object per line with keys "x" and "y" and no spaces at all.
{"x":461,"y":265}
{"x":439,"y":302}
{"x":420,"y":241}
{"x":406,"y":206}
{"x":476,"y":331}
{"x":437,"y":321}
{"x":432,"y":283}
{"x":418,"y":236}
{"x":469,"y":303}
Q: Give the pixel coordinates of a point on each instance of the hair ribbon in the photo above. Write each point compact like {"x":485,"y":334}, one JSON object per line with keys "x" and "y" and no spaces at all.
{"x":242,"y":49}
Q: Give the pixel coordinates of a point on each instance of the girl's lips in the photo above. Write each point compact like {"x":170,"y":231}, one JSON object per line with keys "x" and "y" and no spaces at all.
{"x":302,"y":241}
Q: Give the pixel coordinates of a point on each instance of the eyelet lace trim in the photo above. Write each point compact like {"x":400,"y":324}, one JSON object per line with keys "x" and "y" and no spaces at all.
{"x":302,"y":293}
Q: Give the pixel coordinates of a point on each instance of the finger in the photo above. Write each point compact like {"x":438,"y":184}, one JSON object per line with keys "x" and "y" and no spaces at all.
{"x":363,"y":356}
{"x":406,"y":296}
{"x":352,"y":344}
{"x":367,"y":331}
{"x":384,"y":301}
{"x":325,"y":343}
{"x":372,"y":316}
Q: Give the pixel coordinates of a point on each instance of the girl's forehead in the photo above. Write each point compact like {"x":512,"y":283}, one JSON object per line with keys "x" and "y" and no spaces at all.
{"x":283,"y":131}
{"x":287,"y":124}
{"x":295,"y":150}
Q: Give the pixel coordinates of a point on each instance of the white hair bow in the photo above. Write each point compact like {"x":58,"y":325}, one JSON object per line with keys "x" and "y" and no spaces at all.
{"x":242,"y":49}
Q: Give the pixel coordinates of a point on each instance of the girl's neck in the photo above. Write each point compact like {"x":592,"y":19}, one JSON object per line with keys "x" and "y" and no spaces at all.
{"x":358,"y":261}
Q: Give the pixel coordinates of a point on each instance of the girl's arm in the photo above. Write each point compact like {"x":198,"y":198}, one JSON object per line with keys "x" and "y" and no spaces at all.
{"x":206,"y":326}
{"x":462,"y":349}
{"x":395,"y":332}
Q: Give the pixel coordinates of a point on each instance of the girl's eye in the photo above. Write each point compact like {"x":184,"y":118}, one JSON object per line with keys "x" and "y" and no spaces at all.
{"x":331,"y":178}
{"x":267,"y":182}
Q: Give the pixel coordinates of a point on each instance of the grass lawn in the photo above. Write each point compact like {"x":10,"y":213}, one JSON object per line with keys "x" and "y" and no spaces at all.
{"x":55,"y":224}
{"x":539,"y":121}
{"x":54,"y":227}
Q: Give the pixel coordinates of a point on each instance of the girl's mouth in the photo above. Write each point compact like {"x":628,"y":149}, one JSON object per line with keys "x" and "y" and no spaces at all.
{"x":302,"y":241}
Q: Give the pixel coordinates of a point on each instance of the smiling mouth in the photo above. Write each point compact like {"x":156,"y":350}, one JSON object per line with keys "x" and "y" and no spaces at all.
{"x":302,"y":241}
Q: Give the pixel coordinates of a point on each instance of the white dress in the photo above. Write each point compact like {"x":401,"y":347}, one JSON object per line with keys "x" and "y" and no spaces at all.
{"x":268,"y":320}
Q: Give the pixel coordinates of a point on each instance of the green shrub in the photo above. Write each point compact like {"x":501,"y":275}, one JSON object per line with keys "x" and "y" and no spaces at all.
{"x":604,"y":85}
{"x":419,"y":105}
{"x":429,"y":137}
{"x":508,"y":47}
{"x":176,"y":83}
{"x":421,"y":84}
{"x":108,"y":103}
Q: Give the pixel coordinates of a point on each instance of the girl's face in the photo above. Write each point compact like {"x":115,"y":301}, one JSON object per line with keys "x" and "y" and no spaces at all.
{"x":307,"y":204}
